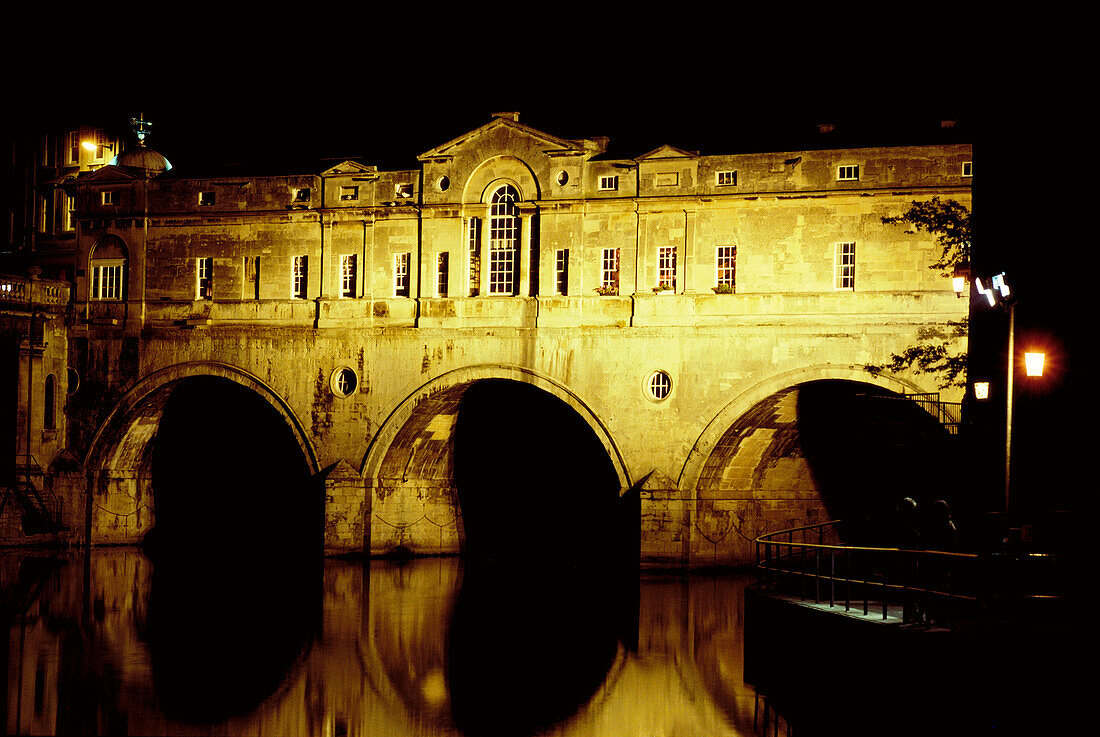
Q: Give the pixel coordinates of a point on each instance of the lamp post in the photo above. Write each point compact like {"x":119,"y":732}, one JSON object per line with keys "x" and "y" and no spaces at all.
{"x":1000,"y":292}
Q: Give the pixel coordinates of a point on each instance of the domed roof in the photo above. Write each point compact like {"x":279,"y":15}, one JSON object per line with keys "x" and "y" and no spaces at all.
{"x":146,"y":159}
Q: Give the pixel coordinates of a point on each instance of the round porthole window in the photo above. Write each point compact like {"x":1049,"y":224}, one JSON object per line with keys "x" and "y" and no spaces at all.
{"x":344,"y":382}
{"x":563,"y":178}
{"x":658,"y":385}
{"x":443,"y":183}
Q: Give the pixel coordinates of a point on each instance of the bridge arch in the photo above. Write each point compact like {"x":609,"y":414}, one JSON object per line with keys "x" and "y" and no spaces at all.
{"x":409,"y":465}
{"x":121,"y":456}
{"x":801,"y":446}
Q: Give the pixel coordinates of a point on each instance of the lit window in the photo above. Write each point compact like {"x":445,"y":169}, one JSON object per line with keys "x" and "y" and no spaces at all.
{"x":726,"y":268}
{"x":726,"y":178}
{"x":503,"y":240}
{"x":403,"y":191}
{"x":109,"y":197}
{"x":442,"y":273}
{"x":204,"y":278}
{"x":847,"y":173}
{"x":968,"y":169}
{"x":299,"y":279}
{"x":608,"y":183}
{"x":70,"y":212}
{"x":561,"y":271}
{"x":347,"y":275}
{"x":401,"y":274}
{"x":844,"y":266}
{"x":666,"y":268}
{"x":349,"y":193}
{"x":609,"y":271}
{"x":206,"y":199}
{"x":107,"y":279}
{"x":658,"y":385}
{"x":74,"y":147}
{"x":473,"y":237}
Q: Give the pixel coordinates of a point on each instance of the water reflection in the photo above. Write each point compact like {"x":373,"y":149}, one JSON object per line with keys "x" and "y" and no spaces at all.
{"x":112,"y":643}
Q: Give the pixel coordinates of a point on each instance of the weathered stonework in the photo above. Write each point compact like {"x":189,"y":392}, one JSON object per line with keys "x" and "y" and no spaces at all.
{"x":717,"y":474}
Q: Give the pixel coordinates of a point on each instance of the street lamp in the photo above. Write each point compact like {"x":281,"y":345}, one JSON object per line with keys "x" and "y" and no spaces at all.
{"x":1033,"y":361}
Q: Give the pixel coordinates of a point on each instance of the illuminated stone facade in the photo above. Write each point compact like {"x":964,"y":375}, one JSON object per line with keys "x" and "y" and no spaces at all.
{"x":661,"y":297}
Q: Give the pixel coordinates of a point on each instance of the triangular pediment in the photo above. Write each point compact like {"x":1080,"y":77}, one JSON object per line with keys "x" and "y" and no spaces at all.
{"x":349,"y":167}
{"x":668,"y":152}
{"x":552,"y":145}
{"x":110,"y":173}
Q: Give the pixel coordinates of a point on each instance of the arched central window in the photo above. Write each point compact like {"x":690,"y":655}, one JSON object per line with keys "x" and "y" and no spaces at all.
{"x":503,"y":240}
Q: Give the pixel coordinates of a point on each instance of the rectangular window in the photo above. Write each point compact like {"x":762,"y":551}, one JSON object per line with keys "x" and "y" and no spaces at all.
{"x":403,"y":191}
{"x":609,"y":271}
{"x":299,"y":278}
{"x":442,"y":274}
{"x":250,"y":285}
{"x":726,"y":178}
{"x":349,"y":193}
{"x":561,"y":271}
{"x":206,"y":199}
{"x":847,"y":173}
{"x":204,"y":278}
{"x":845,"y":266}
{"x":70,"y":212}
{"x":666,"y":267}
{"x":348,"y":263}
{"x":107,"y":279}
{"x":401,"y":275}
{"x":73,"y":147}
{"x":43,"y":214}
{"x":473,"y":238}
{"x":109,"y":198}
{"x":610,"y":182}
{"x":302,"y":194}
{"x":968,"y":169}
{"x":726,"y":268}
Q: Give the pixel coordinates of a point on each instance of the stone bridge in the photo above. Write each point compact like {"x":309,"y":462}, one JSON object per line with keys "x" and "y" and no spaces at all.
{"x":618,"y":378}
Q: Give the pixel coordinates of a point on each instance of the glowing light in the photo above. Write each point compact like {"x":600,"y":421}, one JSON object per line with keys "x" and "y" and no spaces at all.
{"x":90,"y":146}
{"x":958,"y":283}
{"x":987,"y":292}
{"x":981,"y":390}
{"x":1000,"y":285}
{"x":1033,"y":363}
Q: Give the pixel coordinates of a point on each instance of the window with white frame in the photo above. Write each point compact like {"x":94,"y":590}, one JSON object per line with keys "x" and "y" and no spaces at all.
{"x":725,"y":265}
{"x":609,"y":271}
{"x":968,"y":169}
{"x":349,"y":193}
{"x":503,"y":240}
{"x":725,"y":178}
{"x":70,"y":212}
{"x":561,"y":271}
{"x":844,"y":260}
{"x":107,"y":279}
{"x":401,"y":281}
{"x":666,"y":268}
{"x":348,"y":274}
{"x":73,"y":147}
{"x":473,"y":240}
{"x":299,"y":277}
{"x":609,"y":182}
{"x":442,"y":273}
{"x":847,"y":173}
{"x":108,"y":197}
{"x":204,"y":278}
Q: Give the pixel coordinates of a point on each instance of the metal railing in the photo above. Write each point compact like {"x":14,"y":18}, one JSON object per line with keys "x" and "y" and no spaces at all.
{"x":944,"y":588}
{"x":42,"y":508}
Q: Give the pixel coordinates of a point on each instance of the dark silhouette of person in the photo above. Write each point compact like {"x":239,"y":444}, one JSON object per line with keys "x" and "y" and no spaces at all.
{"x":940,"y":532}
{"x":906,"y":525}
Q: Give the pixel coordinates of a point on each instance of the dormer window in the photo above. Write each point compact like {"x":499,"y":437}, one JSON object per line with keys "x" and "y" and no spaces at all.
{"x":206,"y":199}
{"x":609,"y":183}
{"x":349,"y":193}
{"x":404,"y":190}
{"x":847,"y":173}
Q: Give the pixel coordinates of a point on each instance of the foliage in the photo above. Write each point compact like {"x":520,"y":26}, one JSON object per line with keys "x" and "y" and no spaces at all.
{"x":723,"y":289}
{"x":948,"y":220}
{"x":662,"y":287}
{"x":607,"y":290}
{"x":931,"y":355}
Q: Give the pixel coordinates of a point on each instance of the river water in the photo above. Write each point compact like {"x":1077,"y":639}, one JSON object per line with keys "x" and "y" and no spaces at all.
{"x":109,"y":643}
